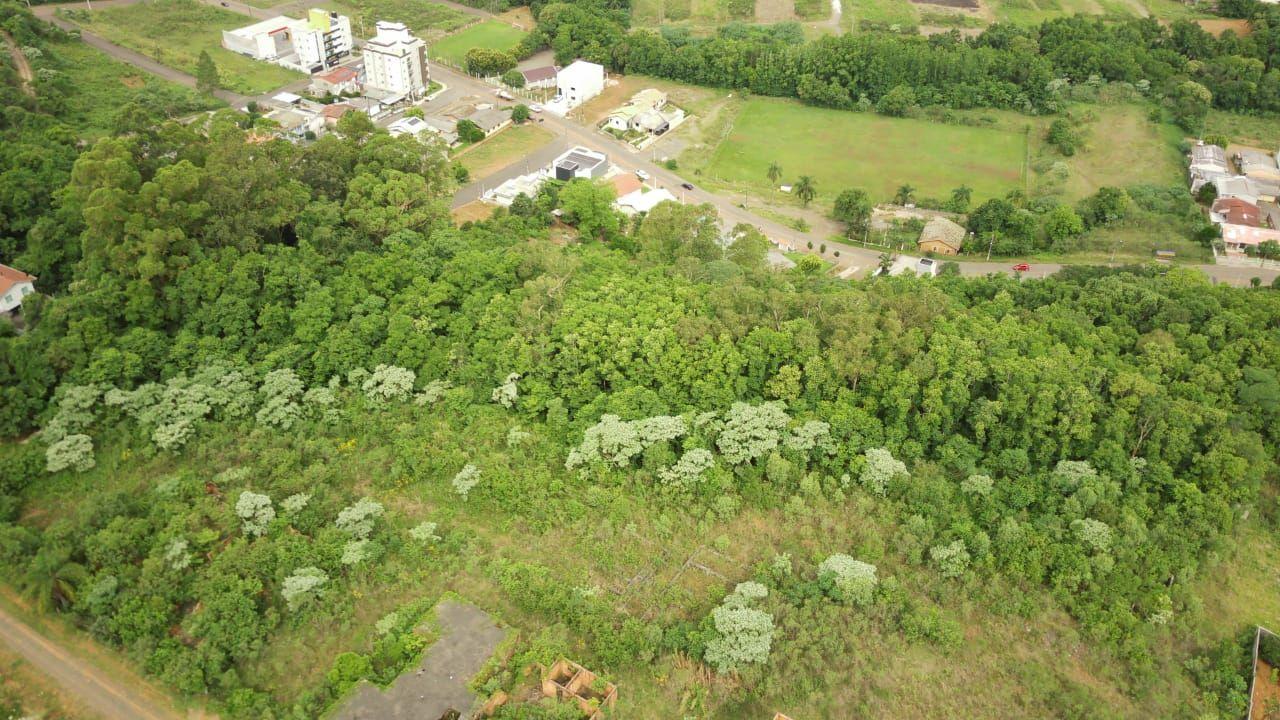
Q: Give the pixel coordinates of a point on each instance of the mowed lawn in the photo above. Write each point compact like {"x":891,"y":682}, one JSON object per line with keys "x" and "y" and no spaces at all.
{"x":173,"y":32}
{"x":841,"y":149}
{"x":426,"y":19}
{"x":489,"y":34}
{"x":499,"y":151}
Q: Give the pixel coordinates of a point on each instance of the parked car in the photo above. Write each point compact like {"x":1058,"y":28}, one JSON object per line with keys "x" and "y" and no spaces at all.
{"x":644,"y":176}
{"x":1022,"y":267}
{"x":505,"y":95}
{"x":686,"y":186}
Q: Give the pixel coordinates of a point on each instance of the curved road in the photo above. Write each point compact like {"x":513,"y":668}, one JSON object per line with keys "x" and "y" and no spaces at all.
{"x":98,"y":691}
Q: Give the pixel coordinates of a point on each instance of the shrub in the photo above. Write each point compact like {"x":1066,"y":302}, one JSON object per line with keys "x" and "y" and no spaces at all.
{"x":303,"y":586}
{"x":466,"y":479}
{"x":358,"y":520}
{"x":854,"y":580}
{"x":255,"y":513}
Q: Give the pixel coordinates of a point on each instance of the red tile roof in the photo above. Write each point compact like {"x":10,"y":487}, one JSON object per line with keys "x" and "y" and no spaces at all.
{"x":338,"y":75}
{"x":1237,"y":211}
{"x":336,"y":110}
{"x":625,"y":184}
{"x":11,"y":276}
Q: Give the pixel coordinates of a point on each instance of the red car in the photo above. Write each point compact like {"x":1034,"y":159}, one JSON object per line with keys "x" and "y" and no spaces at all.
{"x":1022,"y":267}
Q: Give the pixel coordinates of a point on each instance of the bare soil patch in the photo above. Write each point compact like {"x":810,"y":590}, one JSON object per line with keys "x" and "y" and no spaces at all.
{"x":133,"y":82}
{"x":472,"y":212}
{"x":1266,"y":692}
{"x":520,"y":17}
{"x":1217,"y":26}
{"x":772,"y":11}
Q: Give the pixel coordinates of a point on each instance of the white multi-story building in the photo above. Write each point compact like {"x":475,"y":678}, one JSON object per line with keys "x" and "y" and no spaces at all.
{"x":576,"y":84}
{"x":396,"y":62}
{"x":323,"y":40}
{"x":309,"y":45}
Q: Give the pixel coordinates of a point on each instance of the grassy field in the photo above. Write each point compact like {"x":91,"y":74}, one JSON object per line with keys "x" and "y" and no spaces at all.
{"x":1244,"y":129}
{"x":173,"y":32}
{"x":1022,"y":12}
{"x":842,"y":150}
{"x":499,"y":151}
{"x":428,"y":20}
{"x":1150,"y":156}
{"x":488,"y":34}
{"x":104,"y":85}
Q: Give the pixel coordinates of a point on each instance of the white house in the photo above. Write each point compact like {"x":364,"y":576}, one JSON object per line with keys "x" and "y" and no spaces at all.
{"x":396,"y":62}
{"x":14,"y":286}
{"x":576,"y":84}
{"x":309,"y":45}
{"x":579,"y":162}
{"x":540,"y":77}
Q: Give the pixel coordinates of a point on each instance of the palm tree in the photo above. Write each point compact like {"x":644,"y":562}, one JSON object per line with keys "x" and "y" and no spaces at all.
{"x":905,"y":194}
{"x":804,"y":190}
{"x":51,"y":579}
{"x":775,"y":172}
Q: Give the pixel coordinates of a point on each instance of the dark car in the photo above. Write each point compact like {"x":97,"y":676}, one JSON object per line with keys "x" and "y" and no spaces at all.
{"x":687,"y":186}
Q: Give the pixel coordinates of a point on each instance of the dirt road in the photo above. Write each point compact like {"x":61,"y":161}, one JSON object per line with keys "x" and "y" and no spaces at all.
{"x":20,"y":63}
{"x":109,"y":697}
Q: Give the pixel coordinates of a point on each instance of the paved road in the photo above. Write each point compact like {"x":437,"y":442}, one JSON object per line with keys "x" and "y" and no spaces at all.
{"x":103,"y":694}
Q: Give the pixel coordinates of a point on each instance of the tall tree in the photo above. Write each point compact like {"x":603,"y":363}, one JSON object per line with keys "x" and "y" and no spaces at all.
{"x":775,"y":172}
{"x":805,"y":190}
{"x":206,"y":74}
{"x":853,"y":208}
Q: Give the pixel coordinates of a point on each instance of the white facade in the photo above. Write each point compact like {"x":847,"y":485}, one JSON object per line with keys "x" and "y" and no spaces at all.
{"x":14,"y":286}
{"x":395,"y":61}
{"x":312,"y":44}
{"x":323,"y":40}
{"x":576,"y":84}
{"x":641,"y":201}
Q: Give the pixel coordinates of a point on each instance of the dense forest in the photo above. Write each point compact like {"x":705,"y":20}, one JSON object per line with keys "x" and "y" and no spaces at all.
{"x":271,"y":404}
{"x":1022,"y":68}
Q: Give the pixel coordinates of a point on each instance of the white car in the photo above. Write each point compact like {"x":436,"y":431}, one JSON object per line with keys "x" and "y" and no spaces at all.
{"x":505,"y":95}
{"x":644,"y":176}
{"x":535,"y":108}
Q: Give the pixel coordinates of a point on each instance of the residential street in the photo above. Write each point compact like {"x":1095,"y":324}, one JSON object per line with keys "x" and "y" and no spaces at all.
{"x":108,"y":697}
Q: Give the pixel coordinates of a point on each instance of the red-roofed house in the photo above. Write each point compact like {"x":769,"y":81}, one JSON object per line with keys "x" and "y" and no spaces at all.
{"x":625,"y":184}
{"x":335,"y":111}
{"x":339,"y":80}
{"x":14,"y":285}
{"x":1236,"y":212}
{"x":1239,"y":238}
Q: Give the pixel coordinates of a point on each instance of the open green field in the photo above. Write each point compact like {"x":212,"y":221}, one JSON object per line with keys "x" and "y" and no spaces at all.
{"x":429,"y":20}
{"x":1022,"y":12}
{"x":1151,"y":155}
{"x":173,"y":32}
{"x":105,"y":85}
{"x":499,"y":151}
{"x":841,"y":150}
{"x":489,"y":34}
{"x":1263,"y":132}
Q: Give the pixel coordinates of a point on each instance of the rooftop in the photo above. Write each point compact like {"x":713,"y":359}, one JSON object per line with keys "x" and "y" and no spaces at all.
{"x":489,"y":119}
{"x":336,"y":110}
{"x":338,"y":75}
{"x":1243,"y":235}
{"x":640,"y":201}
{"x":940,"y":229}
{"x":12,"y":276}
{"x":582,"y":158}
{"x":625,"y":183}
{"x":270,"y":25}
{"x":539,"y":74}
{"x":1237,"y":211}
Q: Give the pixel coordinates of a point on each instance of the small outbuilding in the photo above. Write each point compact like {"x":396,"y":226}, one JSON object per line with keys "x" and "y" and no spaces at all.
{"x":941,"y":236}
{"x":14,"y":286}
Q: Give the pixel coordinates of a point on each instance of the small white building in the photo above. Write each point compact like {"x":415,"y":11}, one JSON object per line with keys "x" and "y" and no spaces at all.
{"x":576,"y":84}
{"x":267,"y":40}
{"x":396,"y":62}
{"x":14,"y":286}
{"x":579,"y":162}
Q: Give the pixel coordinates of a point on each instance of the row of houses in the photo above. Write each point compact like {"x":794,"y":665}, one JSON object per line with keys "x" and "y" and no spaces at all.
{"x":488,"y":119}
{"x":1245,"y":205}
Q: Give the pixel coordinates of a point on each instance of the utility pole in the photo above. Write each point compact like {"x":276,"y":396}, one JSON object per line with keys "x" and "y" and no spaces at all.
{"x":991,"y":244}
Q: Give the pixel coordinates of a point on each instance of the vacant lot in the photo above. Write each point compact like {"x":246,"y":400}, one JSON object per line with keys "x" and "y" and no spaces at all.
{"x":1150,"y":151}
{"x":173,"y":32}
{"x":840,"y":150}
{"x":489,"y":34}
{"x":1244,"y":129}
{"x":103,"y":86}
{"x":502,"y":149}
{"x":428,"y":20}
